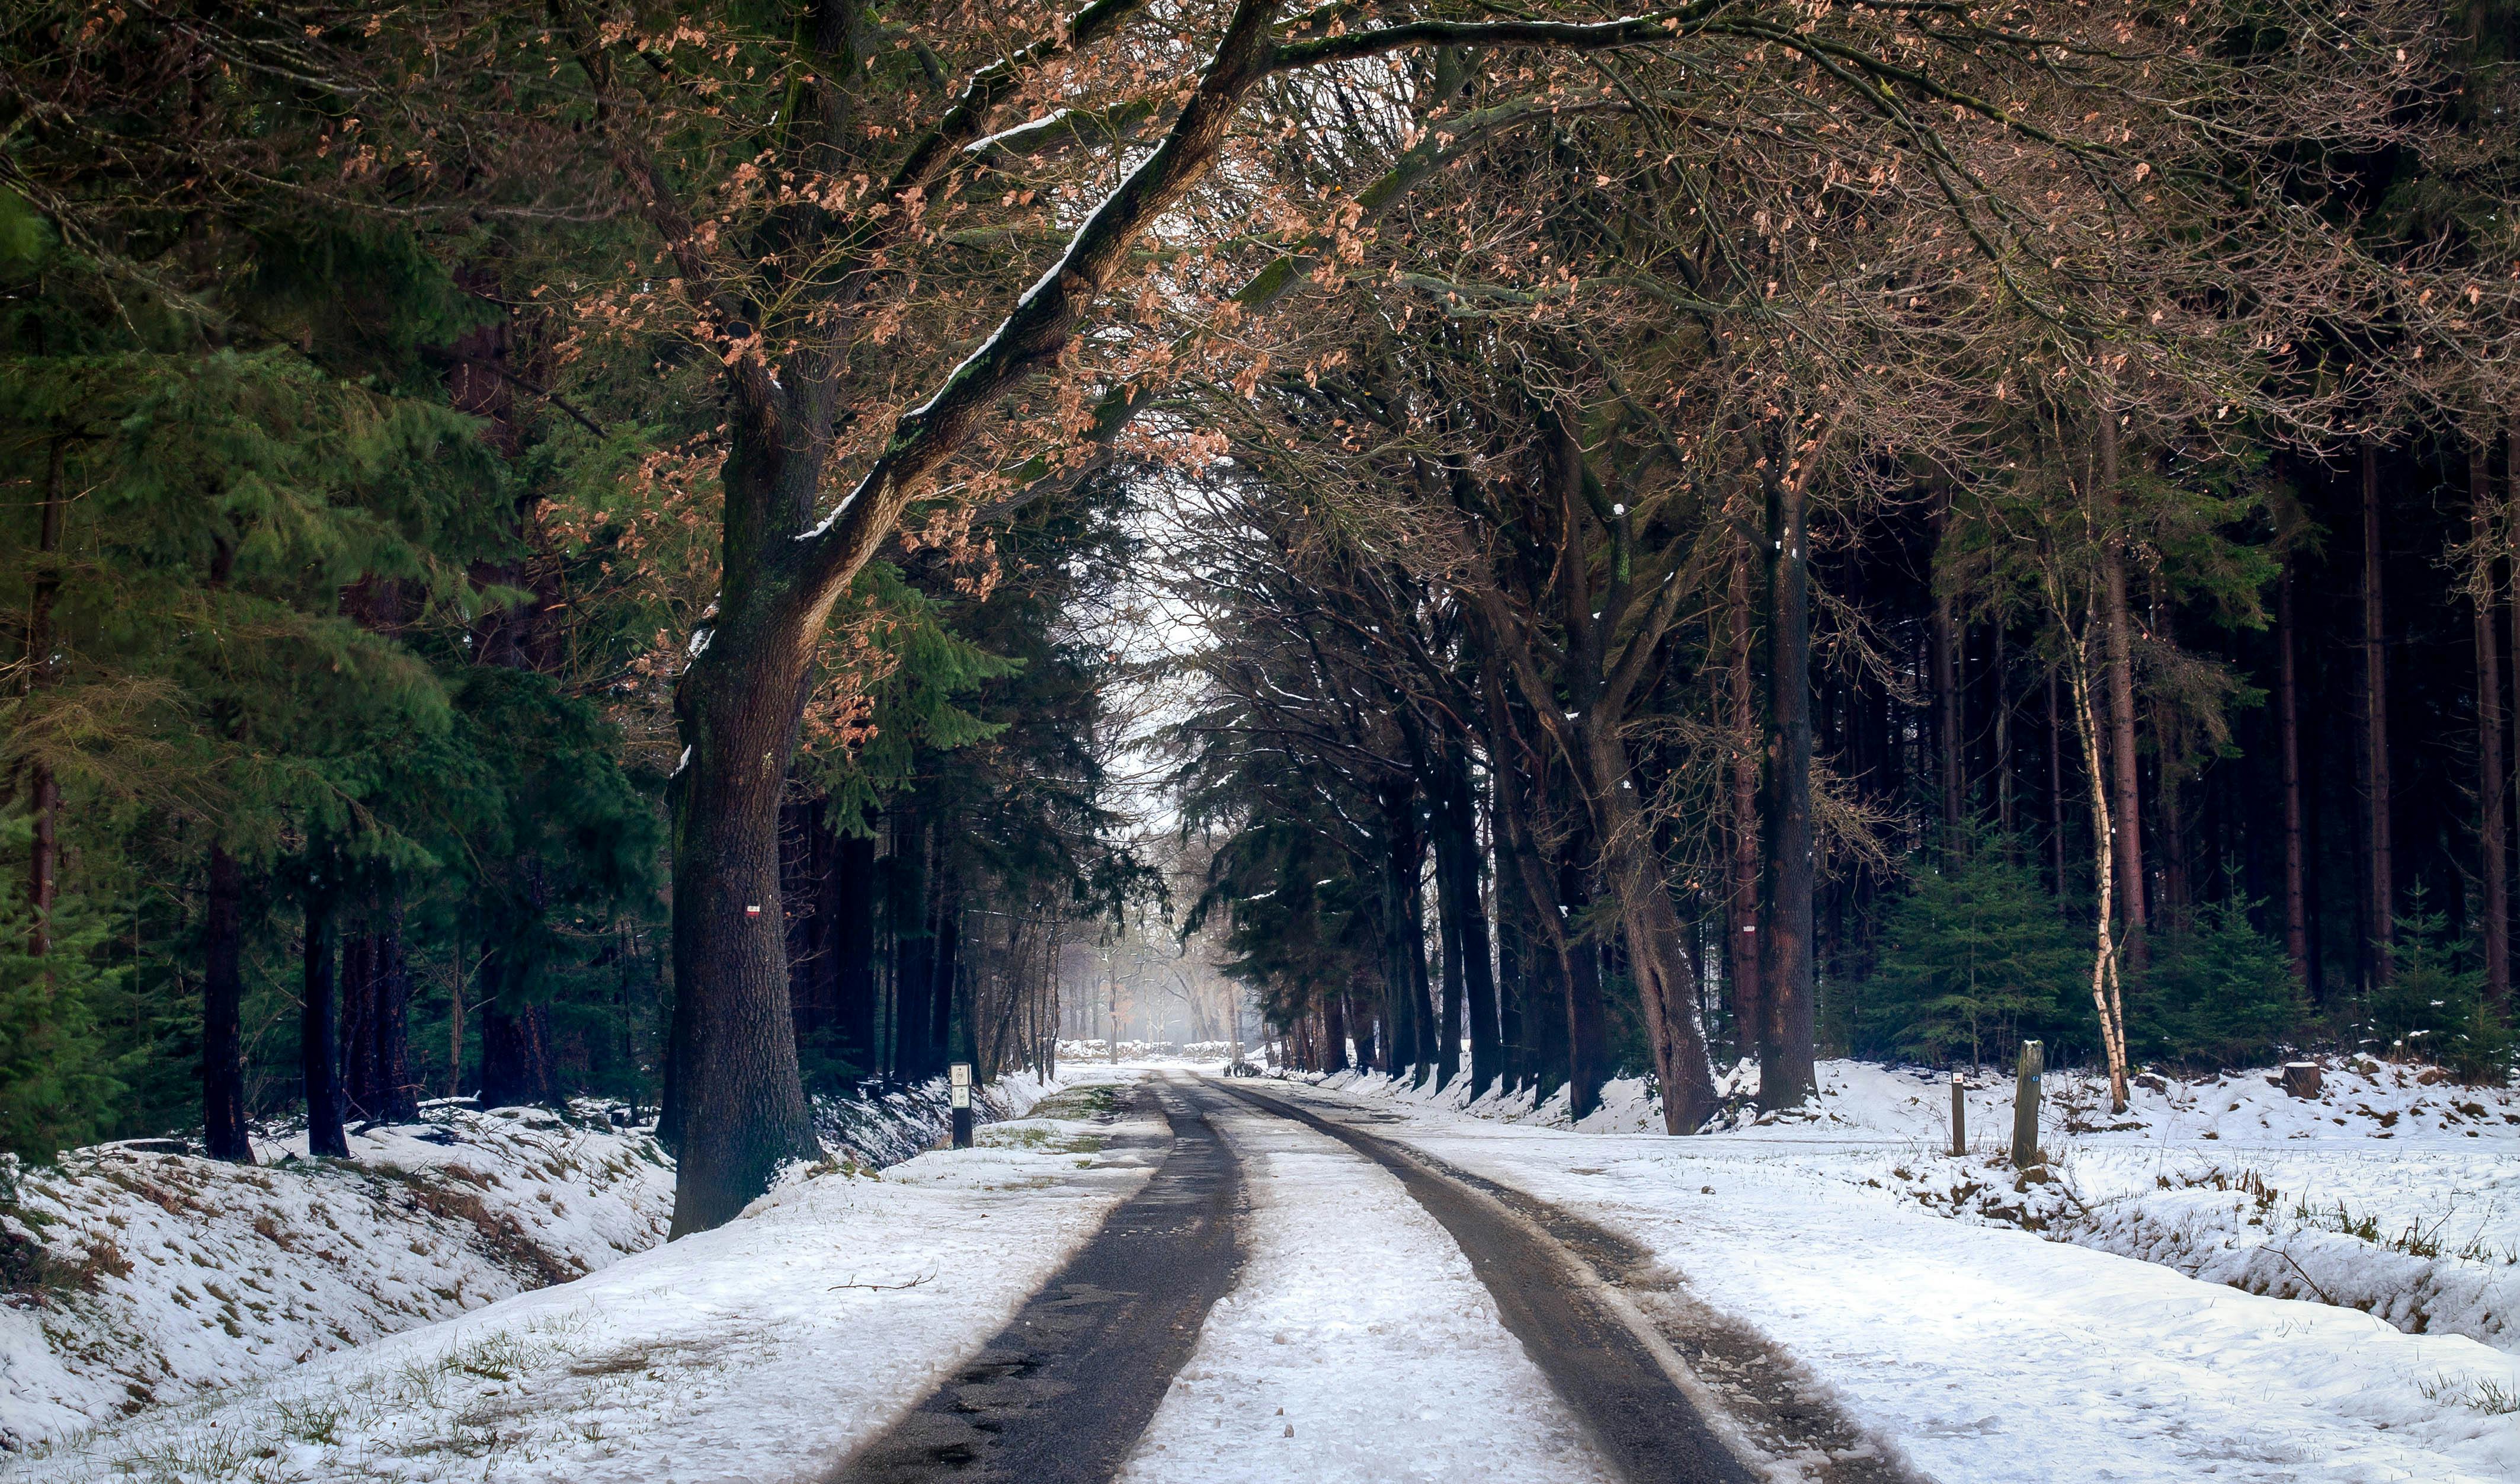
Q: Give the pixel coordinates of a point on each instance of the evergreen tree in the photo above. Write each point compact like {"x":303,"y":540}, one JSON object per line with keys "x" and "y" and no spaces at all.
{"x":1978,"y":956}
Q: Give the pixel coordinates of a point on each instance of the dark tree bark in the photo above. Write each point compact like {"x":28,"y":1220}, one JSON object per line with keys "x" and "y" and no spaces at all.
{"x":1787,"y":1072}
{"x":224,"y":1131}
{"x":946,"y":969}
{"x":1456,"y":871}
{"x":2380,"y":873}
{"x":1588,"y":1041}
{"x":1422,"y":979}
{"x":319,"y":1027}
{"x":1404,"y":956}
{"x":1335,"y":1033}
{"x":2125,"y":801}
{"x":2055,"y":785}
{"x":1741,"y":916}
{"x":1526,"y":880}
{"x":805,"y":888}
{"x":913,"y":948}
{"x":1999,"y":701}
{"x":2494,"y":883}
{"x":852,"y":904}
{"x":1944,"y":669}
{"x":2296,"y":855}
{"x":516,"y":1053}
{"x":1447,"y":937}
{"x":1513,"y":987}
{"x":376,"y":996}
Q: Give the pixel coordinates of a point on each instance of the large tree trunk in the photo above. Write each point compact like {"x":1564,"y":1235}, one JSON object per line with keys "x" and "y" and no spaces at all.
{"x":743,"y":1103}
{"x":1658,"y":955}
{"x":945,"y":973}
{"x":2108,"y":996}
{"x":516,"y":1069}
{"x":2125,"y":813}
{"x":1944,"y":669}
{"x":2296,"y":857}
{"x":806,"y":877}
{"x":1525,"y":878}
{"x":318,"y":1028}
{"x":224,"y":1131}
{"x":1741,"y":916}
{"x":1422,"y":980}
{"x":1513,"y":988}
{"x":1457,"y":874}
{"x":1999,"y":701}
{"x":914,"y":946}
{"x":1447,"y":937}
{"x":1588,"y":1049}
{"x":376,"y":1000}
{"x":2380,"y":872}
{"x":2491,"y":785}
{"x":1787,"y":1072}
{"x":851,"y":903}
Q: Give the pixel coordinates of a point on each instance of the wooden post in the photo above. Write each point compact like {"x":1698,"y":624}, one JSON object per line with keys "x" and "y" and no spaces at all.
{"x":1960,"y":1117}
{"x":2025,"y":1106}
{"x":961,"y":1102}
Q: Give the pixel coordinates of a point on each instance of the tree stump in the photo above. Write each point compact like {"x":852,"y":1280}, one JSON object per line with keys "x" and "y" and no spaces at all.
{"x":2301,"y":1078}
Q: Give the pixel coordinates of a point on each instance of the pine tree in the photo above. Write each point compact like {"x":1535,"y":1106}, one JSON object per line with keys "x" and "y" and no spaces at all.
{"x":1978,"y":956}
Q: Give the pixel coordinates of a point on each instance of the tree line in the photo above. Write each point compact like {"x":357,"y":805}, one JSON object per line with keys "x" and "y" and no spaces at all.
{"x":562,"y":547}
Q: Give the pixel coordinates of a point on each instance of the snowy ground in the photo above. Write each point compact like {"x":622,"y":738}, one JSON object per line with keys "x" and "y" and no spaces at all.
{"x":1357,"y":1344}
{"x":768,"y":1348}
{"x":173,"y":1273}
{"x":169,"y":1273}
{"x":1991,"y":1352}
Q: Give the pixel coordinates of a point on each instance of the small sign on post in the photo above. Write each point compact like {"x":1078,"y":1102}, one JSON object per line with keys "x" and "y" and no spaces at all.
{"x":1960,"y":1117}
{"x":961,"y":1101}
{"x":2025,"y":1106}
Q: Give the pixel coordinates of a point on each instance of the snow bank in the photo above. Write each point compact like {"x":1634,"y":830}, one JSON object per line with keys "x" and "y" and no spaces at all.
{"x":2394,"y":1192}
{"x":155,"y":1273}
{"x":882,"y":1129}
{"x":169,"y":1273}
{"x":1993,"y":1355}
{"x":765,"y":1349}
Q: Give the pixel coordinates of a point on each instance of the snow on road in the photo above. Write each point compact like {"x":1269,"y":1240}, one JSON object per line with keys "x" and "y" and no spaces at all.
{"x":1991,"y":1355}
{"x":1356,"y":1344}
{"x":764,"y":1350}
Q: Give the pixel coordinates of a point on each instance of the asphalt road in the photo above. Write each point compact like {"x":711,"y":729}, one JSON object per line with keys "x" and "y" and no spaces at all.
{"x":1061,"y":1393}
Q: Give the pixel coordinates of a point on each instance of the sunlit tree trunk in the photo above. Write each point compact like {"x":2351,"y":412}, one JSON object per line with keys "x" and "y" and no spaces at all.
{"x":2107,"y":1001}
{"x":2127,"y":815}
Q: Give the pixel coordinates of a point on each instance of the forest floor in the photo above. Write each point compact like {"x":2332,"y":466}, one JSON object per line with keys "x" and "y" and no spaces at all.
{"x":1886,"y":1282}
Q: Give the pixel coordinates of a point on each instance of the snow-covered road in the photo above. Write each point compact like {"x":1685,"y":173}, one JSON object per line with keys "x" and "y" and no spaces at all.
{"x":1357,"y":1340}
{"x":1356,"y":1346}
{"x":1990,"y":1355}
